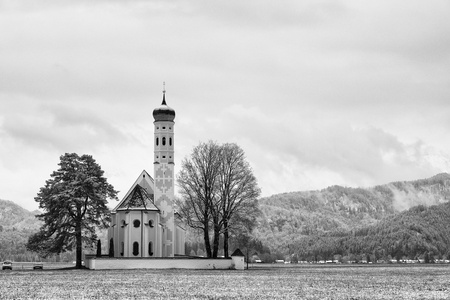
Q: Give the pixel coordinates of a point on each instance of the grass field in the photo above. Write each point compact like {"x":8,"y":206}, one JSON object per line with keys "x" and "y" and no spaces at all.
{"x":260,"y":282}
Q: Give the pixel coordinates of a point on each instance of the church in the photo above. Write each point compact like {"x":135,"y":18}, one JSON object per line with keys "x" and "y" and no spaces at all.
{"x":144,"y":223}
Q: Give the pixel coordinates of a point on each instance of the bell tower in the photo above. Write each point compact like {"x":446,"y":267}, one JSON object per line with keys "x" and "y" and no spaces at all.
{"x":164,"y":173}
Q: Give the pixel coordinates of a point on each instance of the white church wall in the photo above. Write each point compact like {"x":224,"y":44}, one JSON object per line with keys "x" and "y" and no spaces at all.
{"x":149,"y":234}
{"x":163,"y":263}
{"x":179,"y":241}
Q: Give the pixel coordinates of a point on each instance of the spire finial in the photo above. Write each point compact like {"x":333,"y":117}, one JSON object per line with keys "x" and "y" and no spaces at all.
{"x":164,"y":93}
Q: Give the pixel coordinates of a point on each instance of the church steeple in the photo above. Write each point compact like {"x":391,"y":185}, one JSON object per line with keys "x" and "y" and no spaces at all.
{"x":164,"y":112}
{"x":164,"y":173}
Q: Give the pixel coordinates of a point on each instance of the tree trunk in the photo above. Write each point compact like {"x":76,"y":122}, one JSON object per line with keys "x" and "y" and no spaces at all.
{"x":79,"y":247}
{"x":206,"y":239}
{"x":78,"y":238}
{"x":216,"y":240}
{"x":225,"y":238}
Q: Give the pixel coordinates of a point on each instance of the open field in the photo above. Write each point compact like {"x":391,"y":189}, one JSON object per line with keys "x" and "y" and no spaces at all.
{"x":260,"y":282}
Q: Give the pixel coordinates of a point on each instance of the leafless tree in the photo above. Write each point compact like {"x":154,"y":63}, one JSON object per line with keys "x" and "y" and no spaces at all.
{"x":238,"y":190}
{"x":219,"y":192}
{"x":197,"y":181}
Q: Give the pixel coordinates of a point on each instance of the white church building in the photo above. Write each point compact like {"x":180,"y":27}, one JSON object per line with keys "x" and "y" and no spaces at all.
{"x":144,"y":223}
{"x":145,"y":231}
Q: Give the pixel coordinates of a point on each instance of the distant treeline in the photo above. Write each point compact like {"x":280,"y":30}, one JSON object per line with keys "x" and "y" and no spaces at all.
{"x":419,"y":233}
{"x":12,"y":247}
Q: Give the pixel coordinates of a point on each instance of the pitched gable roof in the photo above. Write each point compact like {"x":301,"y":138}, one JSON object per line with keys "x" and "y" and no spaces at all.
{"x":237,"y":252}
{"x":145,"y":181}
{"x":139,"y":199}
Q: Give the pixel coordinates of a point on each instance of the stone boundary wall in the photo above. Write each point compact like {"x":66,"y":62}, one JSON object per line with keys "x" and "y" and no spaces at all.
{"x":97,"y":263}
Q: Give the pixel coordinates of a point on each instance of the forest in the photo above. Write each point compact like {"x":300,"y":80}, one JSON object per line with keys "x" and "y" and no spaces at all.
{"x":398,"y":220}
{"x":420,"y":233}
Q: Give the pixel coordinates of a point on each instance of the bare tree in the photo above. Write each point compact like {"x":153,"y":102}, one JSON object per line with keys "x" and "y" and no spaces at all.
{"x":197,"y":181}
{"x":238,"y":190}
{"x":219,"y":192}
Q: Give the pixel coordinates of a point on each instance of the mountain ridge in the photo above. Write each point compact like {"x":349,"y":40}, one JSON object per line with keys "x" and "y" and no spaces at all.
{"x":289,"y":217}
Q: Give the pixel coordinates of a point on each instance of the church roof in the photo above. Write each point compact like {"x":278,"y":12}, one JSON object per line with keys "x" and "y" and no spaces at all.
{"x":139,"y":199}
{"x":237,"y":252}
{"x":164,"y":112}
{"x":145,"y":181}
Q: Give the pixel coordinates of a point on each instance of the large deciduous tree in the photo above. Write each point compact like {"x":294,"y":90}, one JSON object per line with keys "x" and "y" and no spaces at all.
{"x":238,"y":191}
{"x":198,"y":184}
{"x":219,"y":192}
{"x":74,"y":202}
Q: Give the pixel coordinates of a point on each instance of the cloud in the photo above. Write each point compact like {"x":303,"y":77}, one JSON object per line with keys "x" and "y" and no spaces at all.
{"x":60,"y":126}
{"x":316,"y":92}
{"x":311,"y":153}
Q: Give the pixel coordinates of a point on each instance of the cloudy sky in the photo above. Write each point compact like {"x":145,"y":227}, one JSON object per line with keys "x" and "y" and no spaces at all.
{"x":317,"y":93}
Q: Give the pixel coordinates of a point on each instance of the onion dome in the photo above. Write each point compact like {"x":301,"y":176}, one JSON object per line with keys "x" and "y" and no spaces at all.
{"x":164,"y":113}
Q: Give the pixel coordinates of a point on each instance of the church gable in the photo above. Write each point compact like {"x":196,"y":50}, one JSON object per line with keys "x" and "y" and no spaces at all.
{"x":139,"y":198}
{"x":145,"y":182}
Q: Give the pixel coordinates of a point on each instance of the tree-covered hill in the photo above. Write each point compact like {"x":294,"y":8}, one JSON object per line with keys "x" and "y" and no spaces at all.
{"x":16,"y":225}
{"x":14,"y":216}
{"x":290,"y":218}
{"x":420,"y":232}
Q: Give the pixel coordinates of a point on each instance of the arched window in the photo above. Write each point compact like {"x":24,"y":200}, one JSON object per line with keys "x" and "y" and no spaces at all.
{"x":135,"y":248}
{"x":136,"y":223}
{"x":157,"y":141}
{"x":164,"y":141}
{"x":150,"y":249}
{"x":150,"y":223}
{"x":170,"y":141}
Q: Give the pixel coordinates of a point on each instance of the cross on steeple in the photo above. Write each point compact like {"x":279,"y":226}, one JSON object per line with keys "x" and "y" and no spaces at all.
{"x":164,"y":93}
